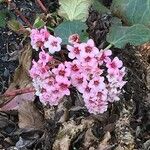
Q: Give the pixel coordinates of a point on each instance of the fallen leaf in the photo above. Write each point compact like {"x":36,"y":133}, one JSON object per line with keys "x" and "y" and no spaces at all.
{"x":29,"y":116}
{"x":104,"y":145}
{"x":67,"y":132}
{"x":89,"y":139}
{"x":123,"y":129}
{"x":17,"y":101}
{"x":21,"y":79}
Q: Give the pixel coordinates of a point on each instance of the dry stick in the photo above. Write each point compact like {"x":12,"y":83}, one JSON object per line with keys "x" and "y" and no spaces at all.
{"x":13,"y":7}
{"x":23,"y":18}
{"x":42,"y":6}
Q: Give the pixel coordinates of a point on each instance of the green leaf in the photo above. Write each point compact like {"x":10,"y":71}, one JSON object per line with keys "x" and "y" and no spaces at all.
{"x":116,"y":21}
{"x":2,"y":19}
{"x":132,"y":11}
{"x":121,"y":35}
{"x":1,"y":1}
{"x":39,"y":23}
{"x":74,"y":9}
{"x":14,"y":25}
{"x":98,"y":6}
{"x":67,"y":28}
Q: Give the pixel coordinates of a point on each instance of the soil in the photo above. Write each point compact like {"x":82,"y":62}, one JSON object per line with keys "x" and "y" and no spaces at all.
{"x":127,"y":121}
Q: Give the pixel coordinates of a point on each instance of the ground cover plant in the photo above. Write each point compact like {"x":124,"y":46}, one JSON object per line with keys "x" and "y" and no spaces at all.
{"x":80,"y":74}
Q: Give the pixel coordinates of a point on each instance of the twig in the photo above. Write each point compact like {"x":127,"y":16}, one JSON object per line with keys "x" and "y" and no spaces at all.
{"x":13,"y":7}
{"x":23,"y":17}
{"x":42,"y":6}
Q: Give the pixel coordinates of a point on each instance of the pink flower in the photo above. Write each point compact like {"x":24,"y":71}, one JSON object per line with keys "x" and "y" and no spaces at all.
{"x":79,"y":81}
{"x":97,"y":83}
{"x":38,"y":37}
{"x":88,"y":48}
{"x":44,"y":57}
{"x":114,"y":65}
{"x":53,"y":99}
{"x":38,"y":70}
{"x":74,"y":38}
{"x":113,"y":94}
{"x":86,"y":91}
{"x":61,"y":70}
{"x":96,"y":106}
{"x":121,"y":74}
{"x":45,"y":34}
{"x":103,"y":56}
{"x":98,"y":78}
{"x":37,"y":83}
{"x":74,"y":67}
{"x":48,"y":83}
{"x":89,"y":60}
{"x":45,"y":97}
{"x":53,"y":44}
{"x":102,"y":94}
{"x":63,"y":85}
{"x":74,"y":51}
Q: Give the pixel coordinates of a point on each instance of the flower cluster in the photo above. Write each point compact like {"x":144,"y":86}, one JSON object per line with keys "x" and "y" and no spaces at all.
{"x":94,"y":73}
{"x":43,"y":39}
{"x":98,"y":77}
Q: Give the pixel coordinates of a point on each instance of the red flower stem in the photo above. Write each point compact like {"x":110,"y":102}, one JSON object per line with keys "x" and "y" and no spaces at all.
{"x":9,"y":95}
{"x":42,"y":6}
{"x":18,"y":92}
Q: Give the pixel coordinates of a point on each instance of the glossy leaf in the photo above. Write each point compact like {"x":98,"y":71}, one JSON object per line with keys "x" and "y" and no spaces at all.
{"x":132,"y":11}
{"x":74,"y":9}
{"x":137,"y":34}
{"x":65,"y":29}
{"x":98,"y":6}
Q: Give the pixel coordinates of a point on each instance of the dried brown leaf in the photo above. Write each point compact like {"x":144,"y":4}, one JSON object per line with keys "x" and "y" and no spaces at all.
{"x":29,"y":116}
{"x":104,"y":145}
{"x":21,"y":79}
{"x":89,"y":139}
{"x":21,"y":76}
{"x":123,"y":129}
{"x":67,"y":133}
{"x":18,"y":100}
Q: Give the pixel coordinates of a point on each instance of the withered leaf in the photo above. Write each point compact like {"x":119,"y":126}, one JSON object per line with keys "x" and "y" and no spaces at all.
{"x":21,"y":79}
{"x":29,"y":116}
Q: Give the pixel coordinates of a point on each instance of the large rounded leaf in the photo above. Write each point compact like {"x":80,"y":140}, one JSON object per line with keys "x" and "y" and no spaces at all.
{"x":132,"y":11}
{"x":98,"y":6}
{"x":74,"y":9}
{"x":121,"y":35}
{"x":65,"y":29}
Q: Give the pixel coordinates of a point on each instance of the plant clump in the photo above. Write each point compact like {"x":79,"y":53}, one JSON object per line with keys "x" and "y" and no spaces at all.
{"x":95,"y":74}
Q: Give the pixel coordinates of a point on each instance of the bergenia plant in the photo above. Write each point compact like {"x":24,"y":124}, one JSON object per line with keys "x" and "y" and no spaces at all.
{"x":93,"y":72}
